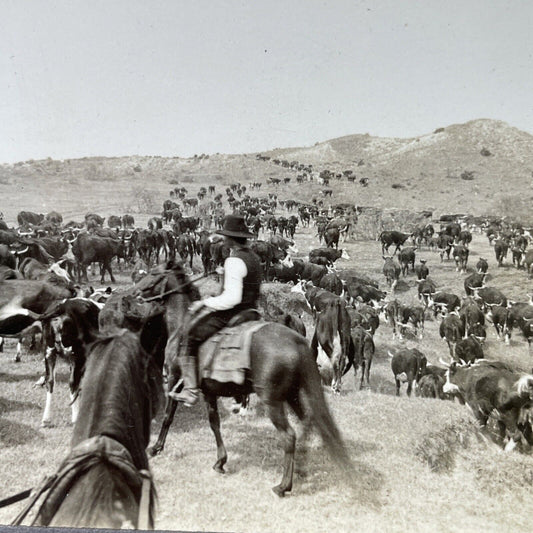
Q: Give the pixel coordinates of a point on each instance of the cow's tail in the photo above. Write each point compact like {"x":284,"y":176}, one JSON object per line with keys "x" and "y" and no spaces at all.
{"x":312,"y":398}
{"x":378,"y":238}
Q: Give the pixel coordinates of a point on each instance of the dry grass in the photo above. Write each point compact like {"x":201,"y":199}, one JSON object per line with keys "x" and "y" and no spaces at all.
{"x":419,"y":464}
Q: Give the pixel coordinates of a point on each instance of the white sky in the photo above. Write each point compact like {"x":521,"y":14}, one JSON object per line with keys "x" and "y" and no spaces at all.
{"x":174,"y":78}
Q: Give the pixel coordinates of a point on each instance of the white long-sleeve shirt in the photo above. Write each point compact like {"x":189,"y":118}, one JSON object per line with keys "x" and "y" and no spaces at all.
{"x":234,"y":273}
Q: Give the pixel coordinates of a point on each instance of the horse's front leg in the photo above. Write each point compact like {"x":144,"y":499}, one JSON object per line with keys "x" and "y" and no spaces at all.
{"x":276,"y":412}
{"x":214,"y":422}
{"x":170,"y":411}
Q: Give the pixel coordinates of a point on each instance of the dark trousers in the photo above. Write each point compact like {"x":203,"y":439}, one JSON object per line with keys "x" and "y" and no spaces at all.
{"x":206,"y":327}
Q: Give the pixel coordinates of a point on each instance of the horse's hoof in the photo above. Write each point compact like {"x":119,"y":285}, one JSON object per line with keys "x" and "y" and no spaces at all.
{"x":219,"y":469}
{"x":154,"y":450}
{"x":278,"y":491}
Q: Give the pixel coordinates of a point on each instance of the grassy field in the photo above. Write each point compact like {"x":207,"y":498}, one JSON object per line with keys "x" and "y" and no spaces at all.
{"x":419,"y":463}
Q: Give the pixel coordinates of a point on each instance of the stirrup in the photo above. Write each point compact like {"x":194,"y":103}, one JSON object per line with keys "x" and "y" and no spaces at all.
{"x":188,"y":397}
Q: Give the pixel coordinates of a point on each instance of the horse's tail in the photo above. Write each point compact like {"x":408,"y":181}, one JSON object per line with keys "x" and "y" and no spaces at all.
{"x":312,"y":397}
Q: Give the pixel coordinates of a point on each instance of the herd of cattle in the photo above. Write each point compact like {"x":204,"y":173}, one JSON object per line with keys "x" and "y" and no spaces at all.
{"x":44,"y":261}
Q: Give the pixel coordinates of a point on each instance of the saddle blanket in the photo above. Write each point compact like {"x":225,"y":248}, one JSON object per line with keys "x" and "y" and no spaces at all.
{"x":225,"y":356}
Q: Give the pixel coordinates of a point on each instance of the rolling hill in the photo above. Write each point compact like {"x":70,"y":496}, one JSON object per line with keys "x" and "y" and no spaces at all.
{"x":480,"y":167}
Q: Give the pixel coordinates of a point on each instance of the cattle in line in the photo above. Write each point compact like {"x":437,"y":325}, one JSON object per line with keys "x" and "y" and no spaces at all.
{"x":309,"y":271}
{"x":363,"y":349}
{"x":452,"y":330}
{"x":389,"y":238}
{"x":492,"y":387}
{"x":422,"y":270}
{"x":403,"y":317}
{"x":460,"y":255}
{"x":482,"y":266}
{"x":333,"y":338}
{"x":391,"y":271}
{"x":407,"y":258}
{"x":408,"y":366}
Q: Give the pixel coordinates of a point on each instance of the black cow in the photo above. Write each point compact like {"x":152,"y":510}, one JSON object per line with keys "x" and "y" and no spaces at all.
{"x":330,"y":254}
{"x":432,"y":382}
{"x":497,"y":315}
{"x":363,"y":349}
{"x":268,"y":255}
{"x":482,"y":266}
{"x":388,"y":238}
{"x":422,"y":270}
{"x":128,"y":221}
{"x":331,"y":237}
{"x":407,"y":257}
{"x":94,"y":249}
{"x":444,"y":302}
{"x":468,"y":350}
{"x":114,"y":221}
{"x":488,"y":296}
{"x":28,"y":217}
{"x":357,"y":290}
{"x":494,"y":387}
{"x":332,"y":283}
{"x":426,"y":288}
{"x":501,"y":248}
{"x":317,"y":299}
{"x":474,"y":281}
{"x":452,"y":330}
{"x":460,"y":255}
{"x":408,"y":365}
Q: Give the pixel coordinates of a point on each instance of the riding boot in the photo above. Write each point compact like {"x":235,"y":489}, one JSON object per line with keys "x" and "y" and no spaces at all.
{"x":189,"y":371}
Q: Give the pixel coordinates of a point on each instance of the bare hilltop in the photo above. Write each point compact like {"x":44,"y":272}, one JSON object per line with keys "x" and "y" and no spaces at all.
{"x":481,"y":167}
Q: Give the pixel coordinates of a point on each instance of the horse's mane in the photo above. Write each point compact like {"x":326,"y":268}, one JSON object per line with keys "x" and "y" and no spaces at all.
{"x":120,"y":375}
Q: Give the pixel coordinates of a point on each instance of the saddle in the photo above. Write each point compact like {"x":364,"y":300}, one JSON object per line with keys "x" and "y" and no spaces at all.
{"x":225,"y":357}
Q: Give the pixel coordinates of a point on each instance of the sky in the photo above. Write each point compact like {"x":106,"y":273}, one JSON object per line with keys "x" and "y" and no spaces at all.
{"x":177,"y":78}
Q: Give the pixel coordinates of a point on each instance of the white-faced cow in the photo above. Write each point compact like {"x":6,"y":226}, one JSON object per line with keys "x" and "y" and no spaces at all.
{"x":492,"y":387}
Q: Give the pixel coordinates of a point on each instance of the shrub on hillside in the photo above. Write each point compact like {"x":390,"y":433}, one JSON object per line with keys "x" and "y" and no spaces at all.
{"x":439,"y":130}
{"x":398,"y":186}
{"x":485,"y":152}
{"x":439,"y":449}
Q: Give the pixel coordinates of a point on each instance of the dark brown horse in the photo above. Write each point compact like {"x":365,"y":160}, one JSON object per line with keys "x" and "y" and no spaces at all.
{"x":105,"y":481}
{"x":283,"y":372}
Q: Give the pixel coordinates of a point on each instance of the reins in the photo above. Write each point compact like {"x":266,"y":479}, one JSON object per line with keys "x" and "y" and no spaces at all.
{"x":176,"y":289}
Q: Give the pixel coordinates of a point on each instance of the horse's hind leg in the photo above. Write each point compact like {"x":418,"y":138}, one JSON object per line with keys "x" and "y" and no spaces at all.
{"x":214,"y":422}
{"x":170,"y":411}
{"x":277,"y":414}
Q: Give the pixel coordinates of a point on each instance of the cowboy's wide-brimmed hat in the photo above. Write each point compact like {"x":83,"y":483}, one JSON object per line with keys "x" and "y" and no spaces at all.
{"x":235,"y":226}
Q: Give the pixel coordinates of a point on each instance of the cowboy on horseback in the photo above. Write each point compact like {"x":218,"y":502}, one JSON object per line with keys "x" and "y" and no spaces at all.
{"x":241,"y":282}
